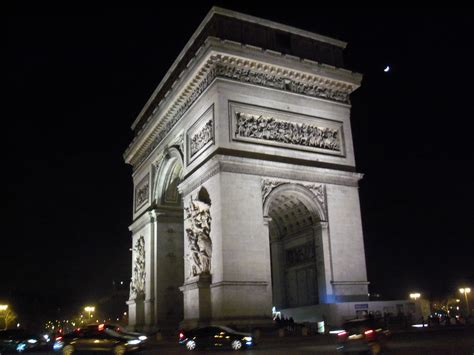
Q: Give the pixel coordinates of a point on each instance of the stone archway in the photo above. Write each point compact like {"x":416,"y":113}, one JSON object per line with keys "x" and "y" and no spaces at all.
{"x":239,"y":116}
{"x":295,"y":214}
{"x":161,"y":229}
{"x":169,"y":173}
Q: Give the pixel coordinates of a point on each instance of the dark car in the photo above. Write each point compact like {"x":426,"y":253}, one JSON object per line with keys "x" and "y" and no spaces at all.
{"x":215,"y":337}
{"x":100,"y":338}
{"x":362,"y":335}
{"x":20,"y":340}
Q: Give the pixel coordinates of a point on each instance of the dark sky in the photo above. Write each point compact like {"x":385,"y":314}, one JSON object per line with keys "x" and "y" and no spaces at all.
{"x":76,"y":83}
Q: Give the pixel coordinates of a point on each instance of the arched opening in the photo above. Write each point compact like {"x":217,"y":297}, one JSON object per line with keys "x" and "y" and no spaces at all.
{"x":169,"y":246}
{"x":294,"y":216}
{"x":168,"y":176}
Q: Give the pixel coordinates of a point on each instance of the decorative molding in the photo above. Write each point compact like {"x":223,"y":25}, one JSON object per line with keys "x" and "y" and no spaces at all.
{"x":178,"y":141}
{"x":276,"y":78}
{"x":241,"y":70}
{"x":137,"y":285}
{"x":200,"y":135}
{"x":188,"y":186}
{"x":240,"y":283}
{"x":198,"y":230}
{"x":318,"y":191}
{"x":142,"y":192}
{"x":268,"y":186}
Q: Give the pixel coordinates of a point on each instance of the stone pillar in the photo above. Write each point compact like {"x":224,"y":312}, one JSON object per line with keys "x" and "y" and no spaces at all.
{"x":169,"y":270}
{"x":241,"y":290}
{"x":323,"y":262}
{"x":278,"y":272}
{"x":197,"y":301}
{"x":149,"y":302}
{"x":136,"y":312}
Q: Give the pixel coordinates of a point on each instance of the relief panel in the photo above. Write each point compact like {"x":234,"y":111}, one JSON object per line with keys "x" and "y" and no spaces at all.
{"x":142,"y":193}
{"x":201,"y":135}
{"x":260,"y":125}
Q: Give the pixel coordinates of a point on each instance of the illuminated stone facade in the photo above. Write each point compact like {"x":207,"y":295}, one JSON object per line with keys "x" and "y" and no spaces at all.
{"x":246,"y":192}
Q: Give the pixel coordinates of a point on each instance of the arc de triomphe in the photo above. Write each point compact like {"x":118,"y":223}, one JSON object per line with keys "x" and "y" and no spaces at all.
{"x":245,"y":187}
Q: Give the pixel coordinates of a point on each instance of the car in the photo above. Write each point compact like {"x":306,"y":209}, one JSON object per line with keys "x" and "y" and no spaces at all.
{"x":100,"y":338}
{"x":20,"y":340}
{"x":362,"y":335}
{"x":215,"y":337}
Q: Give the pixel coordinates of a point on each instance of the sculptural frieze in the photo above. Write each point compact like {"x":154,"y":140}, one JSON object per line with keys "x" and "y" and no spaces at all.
{"x":267,"y":76}
{"x":198,"y":230}
{"x":268,"y":128}
{"x":142,"y":193}
{"x":201,"y":138}
{"x":137,"y":285}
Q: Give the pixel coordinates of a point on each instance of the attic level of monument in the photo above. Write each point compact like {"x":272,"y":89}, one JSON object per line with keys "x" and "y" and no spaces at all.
{"x":259,"y":35}
{"x":257,"y":32}
{"x":230,"y":61}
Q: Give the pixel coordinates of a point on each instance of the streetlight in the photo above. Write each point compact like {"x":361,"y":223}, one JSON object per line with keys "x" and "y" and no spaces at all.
{"x":89,"y":310}
{"x":3,"y":307}
{"x":466,"y":290}
{"x":415,"y":296}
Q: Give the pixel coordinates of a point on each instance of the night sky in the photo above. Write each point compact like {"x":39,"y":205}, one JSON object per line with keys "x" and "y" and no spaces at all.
{"x":76,"y":83}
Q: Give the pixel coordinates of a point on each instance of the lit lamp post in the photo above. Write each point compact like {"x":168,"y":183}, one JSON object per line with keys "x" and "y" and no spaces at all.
{"x":89,"y":310}
{"x":3,"y":309}
{"x":465,"y":291}
{"x":415,"y":296}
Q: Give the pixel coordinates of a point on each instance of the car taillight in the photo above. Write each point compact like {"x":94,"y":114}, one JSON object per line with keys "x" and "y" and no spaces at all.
{"x":342,"y":334}
{"x":58,"y":338}
{"x":181,"y":335}
{"x":369,"y":333}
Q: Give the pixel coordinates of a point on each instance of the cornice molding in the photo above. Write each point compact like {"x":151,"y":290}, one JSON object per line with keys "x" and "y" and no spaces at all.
{"x":235,"y":68}
{"x":204,"y":173}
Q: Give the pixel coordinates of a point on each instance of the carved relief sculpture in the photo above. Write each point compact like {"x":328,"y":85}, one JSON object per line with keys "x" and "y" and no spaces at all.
{"x":198,"y":230}
{"x":318,"y":191}
{"x":137,"y":285}
{"x":301,"y":254}
{"x":201,"y":138}
{"x":271,"y":129}
{"x":272,"y":77}
{"x":141,"y":193}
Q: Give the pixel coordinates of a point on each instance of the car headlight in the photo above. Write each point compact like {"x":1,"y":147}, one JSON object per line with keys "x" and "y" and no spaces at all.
{"x":21,"y":347}
{"x":142,"y":337}
{"x":58,"y":345}
{"x":247,"y":338}
{"x":134,"y":342}
{"x":32,"y":341}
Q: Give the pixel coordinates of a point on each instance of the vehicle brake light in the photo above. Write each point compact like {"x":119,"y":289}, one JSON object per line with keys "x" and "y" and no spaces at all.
{"x":101,"y":327}
{"x":58,"y":338}
{"x":341,"y":334}
{"x":181,"y":335}
{"x":369,"y":332}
